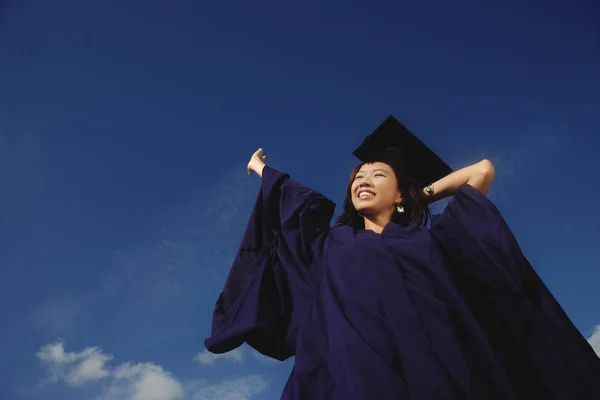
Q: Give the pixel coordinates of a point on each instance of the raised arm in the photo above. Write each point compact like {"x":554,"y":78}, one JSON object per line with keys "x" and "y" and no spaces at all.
{"x":302,"y":214}
{"x":479,"y":175}
{"x":272,"y":280}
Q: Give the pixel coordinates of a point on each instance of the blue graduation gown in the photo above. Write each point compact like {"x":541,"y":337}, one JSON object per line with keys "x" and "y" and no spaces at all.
{"x":454,"y":311}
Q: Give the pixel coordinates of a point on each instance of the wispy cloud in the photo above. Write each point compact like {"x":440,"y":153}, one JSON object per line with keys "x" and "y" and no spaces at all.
{"x":595,"y":340}
{"x":187,"y":259}
{"x":139,"y":381}
{"x":148,"y":283}
{"x":518,"y":161}
{"x":197,"y":243}
{"x":235,"y":356}
{"x":55,"y":316}
{"x":231,"y":389}
{"x":207,"y":358}
{"x":263,"y":359}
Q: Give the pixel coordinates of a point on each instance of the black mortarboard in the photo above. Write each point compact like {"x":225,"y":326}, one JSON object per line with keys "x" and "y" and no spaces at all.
{"x":394,"y":144}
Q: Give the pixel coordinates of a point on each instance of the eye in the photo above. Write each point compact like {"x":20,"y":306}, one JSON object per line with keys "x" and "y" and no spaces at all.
{"x":379,"y":174}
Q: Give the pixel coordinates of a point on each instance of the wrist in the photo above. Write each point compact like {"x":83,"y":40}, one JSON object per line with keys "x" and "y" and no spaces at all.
{"x":428,"y":194}
{"x":258,"y":167}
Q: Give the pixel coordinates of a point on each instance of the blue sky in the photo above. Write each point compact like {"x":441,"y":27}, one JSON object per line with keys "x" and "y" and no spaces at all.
{"x":125,"y":129}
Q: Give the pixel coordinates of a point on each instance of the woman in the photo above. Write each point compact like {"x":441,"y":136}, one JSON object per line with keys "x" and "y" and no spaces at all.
{"x":382,"y":307}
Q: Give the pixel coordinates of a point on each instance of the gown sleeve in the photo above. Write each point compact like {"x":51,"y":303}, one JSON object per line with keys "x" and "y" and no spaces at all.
{"x":542,"y":351}
{"x":272,"y":278}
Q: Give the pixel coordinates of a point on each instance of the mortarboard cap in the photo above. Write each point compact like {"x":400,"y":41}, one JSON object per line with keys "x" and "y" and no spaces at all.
{"x":394,"y":144}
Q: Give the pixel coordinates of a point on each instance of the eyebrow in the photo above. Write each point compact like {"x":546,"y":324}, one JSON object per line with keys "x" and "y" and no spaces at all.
{"x":375,"y":170}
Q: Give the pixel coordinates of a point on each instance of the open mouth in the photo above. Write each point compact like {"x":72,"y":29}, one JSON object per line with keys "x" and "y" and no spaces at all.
{"x":365,"y":194}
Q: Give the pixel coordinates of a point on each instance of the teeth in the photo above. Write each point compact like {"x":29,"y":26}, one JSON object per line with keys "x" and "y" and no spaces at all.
{"x":362,"y":195}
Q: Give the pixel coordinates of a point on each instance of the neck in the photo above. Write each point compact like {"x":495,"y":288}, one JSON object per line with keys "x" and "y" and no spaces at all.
{"x":376,"y":223}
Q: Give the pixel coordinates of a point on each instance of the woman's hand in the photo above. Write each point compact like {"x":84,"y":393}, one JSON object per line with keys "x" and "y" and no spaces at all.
{"x":257,"y":163}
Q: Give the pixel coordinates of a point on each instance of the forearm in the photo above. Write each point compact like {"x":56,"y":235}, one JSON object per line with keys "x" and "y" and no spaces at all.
{"x":257,"y":167}
{"x":479,"y":175}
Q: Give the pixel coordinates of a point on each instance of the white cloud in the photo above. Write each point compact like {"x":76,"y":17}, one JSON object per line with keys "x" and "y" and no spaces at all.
{"x":55,"y":353}
{"x":142,"y":381}
{"x":74,"y":368}
{"x":90,"y":368}
{"x":207,"y":358}
{"x":595,"y":340}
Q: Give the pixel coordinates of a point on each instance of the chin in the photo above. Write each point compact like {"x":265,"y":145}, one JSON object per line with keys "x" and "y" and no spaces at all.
{"x":365,"y":210}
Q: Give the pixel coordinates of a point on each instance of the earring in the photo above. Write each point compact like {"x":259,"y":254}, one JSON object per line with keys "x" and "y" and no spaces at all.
{"x":399,"y":208}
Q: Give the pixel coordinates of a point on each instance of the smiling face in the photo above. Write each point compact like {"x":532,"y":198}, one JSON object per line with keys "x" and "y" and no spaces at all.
{"x":375,"y":190}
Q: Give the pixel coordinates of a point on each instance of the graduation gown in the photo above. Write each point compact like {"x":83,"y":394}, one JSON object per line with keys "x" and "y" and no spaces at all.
{"x":453,"y":311}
